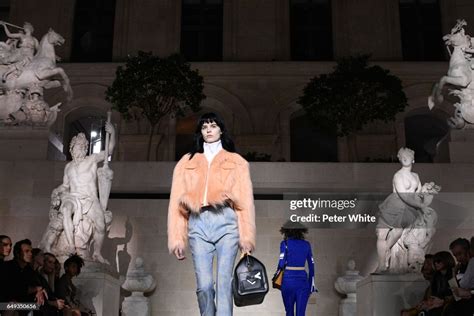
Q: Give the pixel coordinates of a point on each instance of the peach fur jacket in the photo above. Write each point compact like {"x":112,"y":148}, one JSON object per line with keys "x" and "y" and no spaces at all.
{"x":229,"y":181}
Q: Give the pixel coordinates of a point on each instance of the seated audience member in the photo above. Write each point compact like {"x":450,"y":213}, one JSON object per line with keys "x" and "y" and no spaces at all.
{"x":467,"y":281}
{"x":441,"y":295}
{"x":5,"y":247}
{"x":460,"y":248}
{"x":428,"y":271}
{"x":45,"y":277}
{"x":465,"y":306}
{"x":66,"y":290}
{"x":57,"y":270}
{"x":17,"y":278}
{"x":38,"y":258}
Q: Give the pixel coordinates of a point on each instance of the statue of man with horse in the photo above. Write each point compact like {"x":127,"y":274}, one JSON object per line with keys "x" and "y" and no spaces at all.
{"x":27,"y":67}
{"x":460,"y":75}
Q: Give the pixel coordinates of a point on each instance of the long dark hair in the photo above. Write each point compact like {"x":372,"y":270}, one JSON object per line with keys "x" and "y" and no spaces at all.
{"x":446,"y":258}
{"x":198,"y":145}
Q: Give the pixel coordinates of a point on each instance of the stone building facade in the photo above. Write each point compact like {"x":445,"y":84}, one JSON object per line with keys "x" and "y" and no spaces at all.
{"x":254,"y":86}
{"x":255,"y":83}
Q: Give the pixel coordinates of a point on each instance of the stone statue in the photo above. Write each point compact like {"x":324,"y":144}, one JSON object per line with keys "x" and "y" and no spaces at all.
{"x":415,"y":240}
{"x":27,"y":68}
{"x":406,"y":222}
{"x":34,"y":110}
{"x":138,"y":282}
{"x":77,"y":217}
{"x":460,"y":75}
{"x":22,"y":53}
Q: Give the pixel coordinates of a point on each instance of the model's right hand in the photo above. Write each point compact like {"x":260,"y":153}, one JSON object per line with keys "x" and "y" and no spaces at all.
{"x":179,"y":253}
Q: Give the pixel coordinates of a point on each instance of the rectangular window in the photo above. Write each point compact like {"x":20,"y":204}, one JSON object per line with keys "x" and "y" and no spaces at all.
{"x":5,"y":16}
{"x":202,"y":30}
{"x":93,"y":31}
{"x":311,"y":30}
{"x":420,"y":23}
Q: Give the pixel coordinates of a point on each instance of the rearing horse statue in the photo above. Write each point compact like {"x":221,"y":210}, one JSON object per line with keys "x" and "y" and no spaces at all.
{"x":459,"y":73}
{"x":42,"y":70}
{"x":41,"y":73}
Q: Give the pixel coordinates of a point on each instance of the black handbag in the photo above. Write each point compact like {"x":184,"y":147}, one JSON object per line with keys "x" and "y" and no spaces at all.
{"x":250,"y":283}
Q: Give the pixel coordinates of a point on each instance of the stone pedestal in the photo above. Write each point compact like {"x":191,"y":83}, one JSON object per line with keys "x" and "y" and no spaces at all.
{"x":138,"y":282}
{"x":388,"y":294}
{"x":23,"y":143}
{"x":461,"y":146}
{"x":348,"y":306}
{"x":347,"y":284}
{"x":99,"y":289}
{"x":136,"y":304}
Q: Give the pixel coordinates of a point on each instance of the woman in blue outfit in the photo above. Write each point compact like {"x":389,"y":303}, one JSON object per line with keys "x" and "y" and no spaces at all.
{"x":295,"y":252}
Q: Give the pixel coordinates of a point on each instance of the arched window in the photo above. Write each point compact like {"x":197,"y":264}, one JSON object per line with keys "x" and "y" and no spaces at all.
{"x":308,"y":144}
{"x":93,"y":127}
{"x":420,"y":23}
{"x":311,"y":30}
{"x":93,"y":31}
{"x":202,"y":29}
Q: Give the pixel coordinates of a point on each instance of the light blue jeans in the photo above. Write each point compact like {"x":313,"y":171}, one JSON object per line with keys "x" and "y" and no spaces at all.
{"x":214,"y":233}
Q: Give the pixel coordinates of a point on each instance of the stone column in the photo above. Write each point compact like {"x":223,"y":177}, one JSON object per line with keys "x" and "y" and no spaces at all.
{"x":240,"y":40}
{"x":354,"y":32}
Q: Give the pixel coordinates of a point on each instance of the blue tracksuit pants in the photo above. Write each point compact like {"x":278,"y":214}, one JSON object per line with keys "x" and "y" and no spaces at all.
{"x":295,"y":290}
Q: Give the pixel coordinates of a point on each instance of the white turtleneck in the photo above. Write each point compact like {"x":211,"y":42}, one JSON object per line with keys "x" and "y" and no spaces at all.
{"x":210,"y":151}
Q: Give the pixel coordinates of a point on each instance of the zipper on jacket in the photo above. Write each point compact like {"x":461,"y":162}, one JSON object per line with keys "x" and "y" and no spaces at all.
{"x":204,"y":200}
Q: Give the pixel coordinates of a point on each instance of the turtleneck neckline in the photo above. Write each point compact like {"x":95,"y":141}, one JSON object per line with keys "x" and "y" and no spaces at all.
{"x":211,"y":149}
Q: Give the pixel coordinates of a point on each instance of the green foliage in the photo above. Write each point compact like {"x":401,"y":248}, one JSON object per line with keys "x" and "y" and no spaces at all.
{"x":155,"y":87}
{"x":354,"y":94}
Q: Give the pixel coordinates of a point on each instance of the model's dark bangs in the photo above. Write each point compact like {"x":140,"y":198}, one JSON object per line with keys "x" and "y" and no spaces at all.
{"x":209,"y":118}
